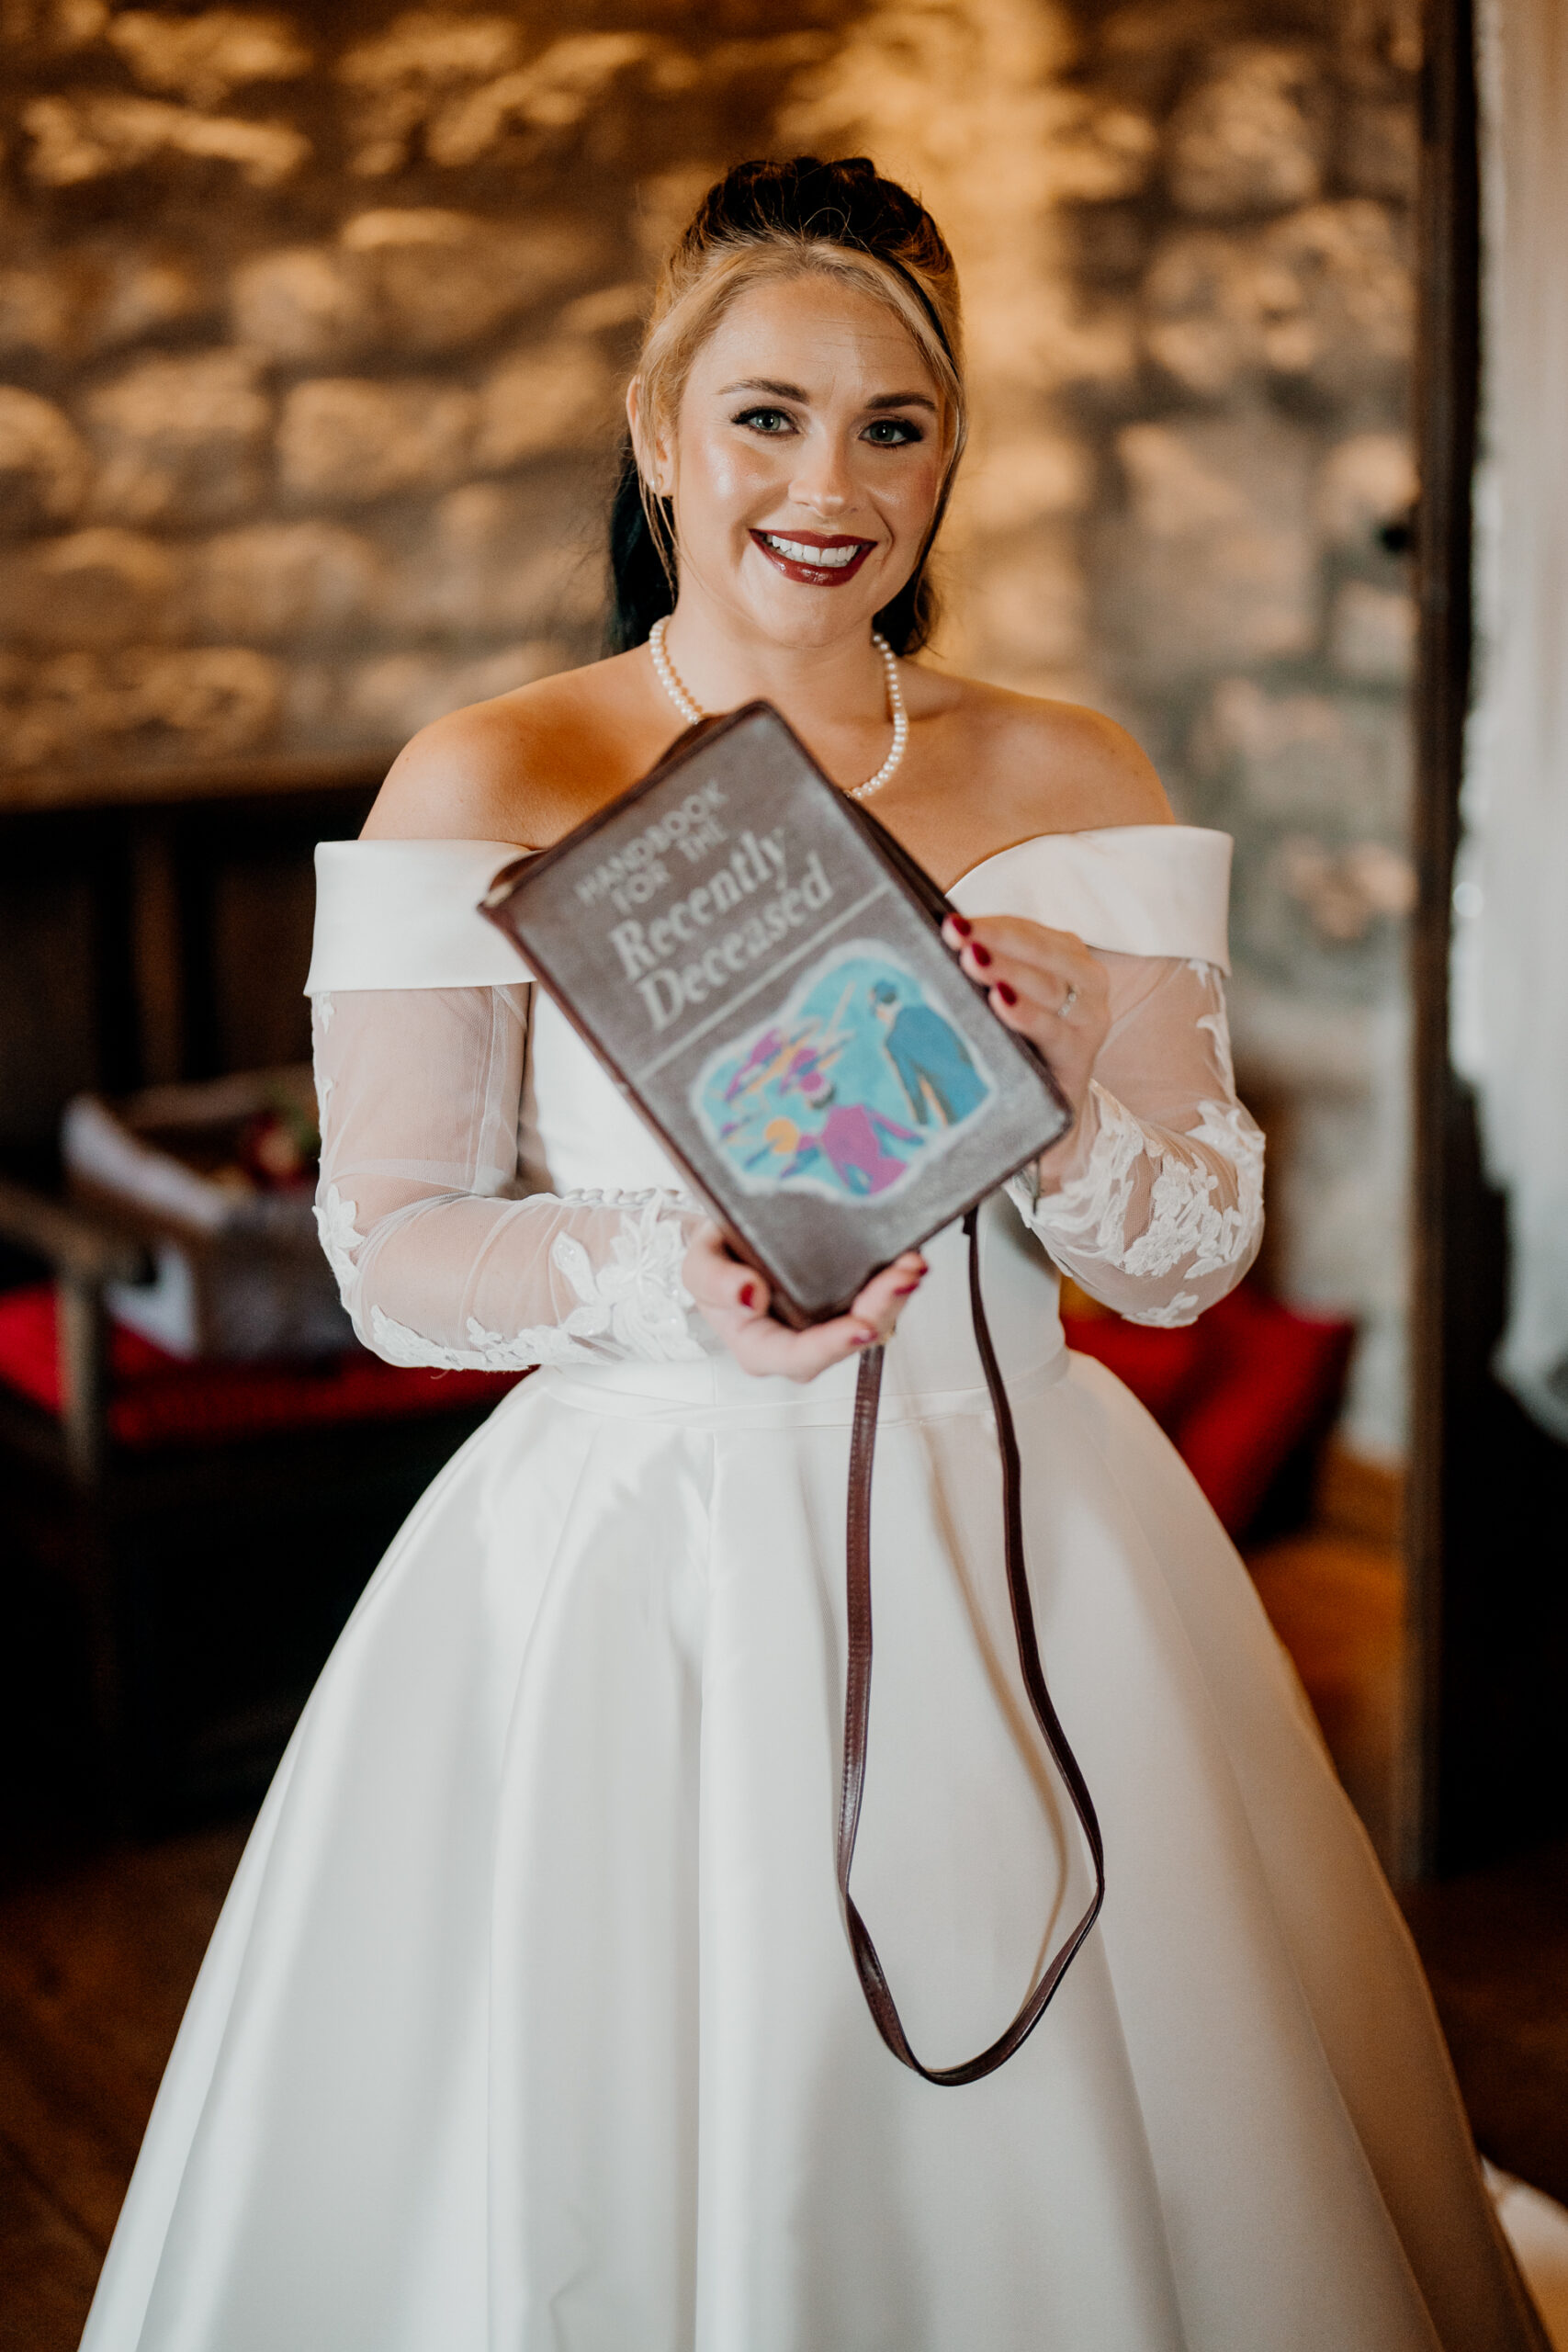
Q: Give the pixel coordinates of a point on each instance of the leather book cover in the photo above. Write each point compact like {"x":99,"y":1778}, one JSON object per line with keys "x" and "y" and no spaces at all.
{"x":759,"y":965}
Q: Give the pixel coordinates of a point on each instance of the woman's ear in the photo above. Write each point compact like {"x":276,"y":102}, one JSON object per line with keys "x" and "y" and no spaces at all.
{"x":652,"y":456}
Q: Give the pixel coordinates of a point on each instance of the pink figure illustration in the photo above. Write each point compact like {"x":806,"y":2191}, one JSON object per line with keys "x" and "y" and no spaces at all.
{"x":851,"y":1139}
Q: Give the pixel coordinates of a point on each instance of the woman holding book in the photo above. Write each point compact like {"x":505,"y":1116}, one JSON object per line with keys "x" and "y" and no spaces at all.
{"x":531,"y":2022}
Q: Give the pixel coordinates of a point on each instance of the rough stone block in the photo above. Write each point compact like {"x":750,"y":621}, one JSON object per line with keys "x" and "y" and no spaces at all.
{"x":139,"y":292}
{"x":441,"y":280}
{"x":1347,"y":321}
{"x":76,"y":139}
{"x":46,"y":708}
{"x":1249,"y":137}
{"x":277,"y":581}
{"x":1372,"y":634}
{"x":40,"y":310}
{"x":400,"y":76}
{"x":457,"y":82}
{"x":44,"y":465}
{"x":1324,"y":295}
{"x":303,"y":303}
{"x":1214,"y":564}
{"x":1028,"y":613}
{"x":1307,"y":760}
{"x":1347,"y":888}
{"x":391,"y":699}
{"x":181,"y":439}
{"x":1203,"y":311}
{"x":508,"y":559}
{"x":214,"y":700}
{"x":1367,"y":485}
{"x":204,"y":702}
{"x":206,"y":57}
{"x":1098,"y":152}
{"x":552,"y":93}
{"x":96,"y":587}
{"x":1022,"y":479}
{"x":85,"y":300}
{"x":345,"y":440}
{"x":560,"y":395}
{"x":413,"y":279}
{"x":1381,"y":150}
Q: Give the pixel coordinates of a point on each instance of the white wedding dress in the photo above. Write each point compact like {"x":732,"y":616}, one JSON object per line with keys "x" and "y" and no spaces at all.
{"x":531,"y":2024}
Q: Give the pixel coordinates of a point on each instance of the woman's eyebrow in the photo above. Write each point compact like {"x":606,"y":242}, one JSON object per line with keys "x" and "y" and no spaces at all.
{"x":766,"y":384}
{"x":795,"y":392}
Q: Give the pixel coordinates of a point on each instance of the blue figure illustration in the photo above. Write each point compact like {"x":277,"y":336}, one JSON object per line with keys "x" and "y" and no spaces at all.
{"x":931,"y":1059}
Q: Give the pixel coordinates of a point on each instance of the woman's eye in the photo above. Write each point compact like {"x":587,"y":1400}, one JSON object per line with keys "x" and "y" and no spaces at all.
{"x":892,"y":433}
{"x":766,"y":419}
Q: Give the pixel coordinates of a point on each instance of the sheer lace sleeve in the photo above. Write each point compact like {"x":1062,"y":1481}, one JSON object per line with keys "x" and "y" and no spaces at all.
{"x":1157,"y":1207}
{"x":441,"y":1256}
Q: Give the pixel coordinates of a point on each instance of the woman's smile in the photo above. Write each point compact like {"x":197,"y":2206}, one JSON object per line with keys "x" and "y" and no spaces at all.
{"x":816,"y":558}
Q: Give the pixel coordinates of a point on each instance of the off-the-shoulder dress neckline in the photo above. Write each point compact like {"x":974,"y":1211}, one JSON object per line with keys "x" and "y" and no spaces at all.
{"x":992,"y":857}
{"x":396,"y":912}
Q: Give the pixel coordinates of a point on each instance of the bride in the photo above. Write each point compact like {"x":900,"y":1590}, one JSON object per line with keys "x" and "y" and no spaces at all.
{"x":531,"y":2023}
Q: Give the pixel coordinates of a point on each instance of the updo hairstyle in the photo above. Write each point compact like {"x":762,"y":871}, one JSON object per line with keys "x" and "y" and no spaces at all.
{"x":769,"y":221}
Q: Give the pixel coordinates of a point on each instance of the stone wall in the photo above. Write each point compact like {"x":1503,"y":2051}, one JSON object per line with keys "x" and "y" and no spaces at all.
{"x":313,"y":330}
{"x":313,"y":327}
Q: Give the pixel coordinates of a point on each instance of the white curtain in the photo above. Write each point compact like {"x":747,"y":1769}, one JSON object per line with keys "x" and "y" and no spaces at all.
{"x":1511,"y":896}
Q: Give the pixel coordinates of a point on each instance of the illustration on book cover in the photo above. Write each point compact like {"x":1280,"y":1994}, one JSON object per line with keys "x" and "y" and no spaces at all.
{"x":848,"y":1090}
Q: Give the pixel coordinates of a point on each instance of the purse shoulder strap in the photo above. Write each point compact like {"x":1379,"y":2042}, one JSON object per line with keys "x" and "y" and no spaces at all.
{"x":857,"y":1706}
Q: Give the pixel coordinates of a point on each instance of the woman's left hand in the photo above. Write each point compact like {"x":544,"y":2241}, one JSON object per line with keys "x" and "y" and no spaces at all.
{"x":1046,"y":985}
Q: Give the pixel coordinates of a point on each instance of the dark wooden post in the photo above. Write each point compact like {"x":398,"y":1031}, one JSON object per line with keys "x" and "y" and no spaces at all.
{"x":1486,"y":1752}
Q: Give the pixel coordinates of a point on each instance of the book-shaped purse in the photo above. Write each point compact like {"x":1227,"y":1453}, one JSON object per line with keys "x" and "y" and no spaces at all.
{"x":759,"y":968}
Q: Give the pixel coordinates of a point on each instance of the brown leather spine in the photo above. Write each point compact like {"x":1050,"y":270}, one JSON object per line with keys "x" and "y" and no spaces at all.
{"x":857,"y":1706}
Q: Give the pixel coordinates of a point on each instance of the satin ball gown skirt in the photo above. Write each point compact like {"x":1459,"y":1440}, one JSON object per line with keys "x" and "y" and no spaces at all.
{"x":530,"y":2024}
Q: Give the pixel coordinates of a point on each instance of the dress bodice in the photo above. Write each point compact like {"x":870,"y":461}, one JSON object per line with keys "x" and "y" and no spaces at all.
{"x":396,"y":914}
{"x":490,"y":1195}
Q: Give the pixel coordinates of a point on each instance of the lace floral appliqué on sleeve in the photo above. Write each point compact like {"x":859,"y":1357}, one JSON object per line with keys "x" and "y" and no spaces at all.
{"x":440,"y":1257}
{"x":1157,"y":1206}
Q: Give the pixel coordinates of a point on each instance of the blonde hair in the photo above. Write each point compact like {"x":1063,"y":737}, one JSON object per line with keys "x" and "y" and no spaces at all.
{"x":767,"y":222}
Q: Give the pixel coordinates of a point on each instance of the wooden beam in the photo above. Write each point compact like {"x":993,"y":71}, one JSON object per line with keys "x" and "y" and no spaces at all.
{"x":1447,"y":387}
{"x":1486,"y":1752}
{"x":63,"y":787}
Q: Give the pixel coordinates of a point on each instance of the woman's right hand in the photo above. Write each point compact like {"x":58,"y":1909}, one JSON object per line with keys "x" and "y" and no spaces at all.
{"x":733,"y":1300}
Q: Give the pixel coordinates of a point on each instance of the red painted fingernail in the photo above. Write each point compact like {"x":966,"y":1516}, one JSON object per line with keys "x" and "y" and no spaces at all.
{"x":1007,"y":991}
{"x":962,"y":927}
{"x":865,"y":1339}
{"x":906,"y":1290}
{"x":982,"y":954}
{"x":748,"y":1293}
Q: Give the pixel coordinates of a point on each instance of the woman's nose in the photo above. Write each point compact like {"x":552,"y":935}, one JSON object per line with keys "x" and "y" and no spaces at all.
{"x":822,"y":480}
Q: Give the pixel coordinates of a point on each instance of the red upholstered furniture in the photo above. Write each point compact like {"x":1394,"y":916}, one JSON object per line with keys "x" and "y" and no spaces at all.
{"x":194,"y":1533}
{"x":1244,"y":1394}
{"x":153,"y":1399}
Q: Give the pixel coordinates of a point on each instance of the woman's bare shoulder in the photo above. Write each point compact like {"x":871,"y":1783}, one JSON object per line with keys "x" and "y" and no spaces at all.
{"x":522,"y":767}
{"x":1058,"y":765}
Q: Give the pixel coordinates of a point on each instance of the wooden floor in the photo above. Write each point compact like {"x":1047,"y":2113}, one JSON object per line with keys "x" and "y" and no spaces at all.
{"x":98,"y":1954}
{"x":96,"y":1963}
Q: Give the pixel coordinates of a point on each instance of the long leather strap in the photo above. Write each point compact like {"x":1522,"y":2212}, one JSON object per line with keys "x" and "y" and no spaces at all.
{"x":857,"y":1705}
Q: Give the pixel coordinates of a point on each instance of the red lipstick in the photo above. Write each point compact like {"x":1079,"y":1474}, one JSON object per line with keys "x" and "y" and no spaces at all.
{"x":782,"y":551}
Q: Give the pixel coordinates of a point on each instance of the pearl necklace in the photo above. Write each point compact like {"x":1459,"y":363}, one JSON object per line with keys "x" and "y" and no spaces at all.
{"x":692,"y":712}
